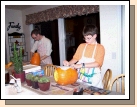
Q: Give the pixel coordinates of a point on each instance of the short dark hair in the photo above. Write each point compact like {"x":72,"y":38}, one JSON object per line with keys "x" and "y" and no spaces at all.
{"x":35,"y":31}
{"x":90,"y":30}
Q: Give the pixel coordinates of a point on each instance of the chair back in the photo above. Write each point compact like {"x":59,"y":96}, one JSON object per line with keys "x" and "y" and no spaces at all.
{"x":107,"y":79}
{"x":120,"y":84}
{"x":49,"y":69}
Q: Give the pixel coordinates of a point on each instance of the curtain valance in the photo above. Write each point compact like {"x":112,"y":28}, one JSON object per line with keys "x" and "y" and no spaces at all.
{"x":63,"y":11}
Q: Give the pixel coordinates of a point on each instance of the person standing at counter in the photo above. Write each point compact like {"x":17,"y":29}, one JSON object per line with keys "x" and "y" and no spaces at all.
{"x":43,"y":46}
{"x":88,"y":58}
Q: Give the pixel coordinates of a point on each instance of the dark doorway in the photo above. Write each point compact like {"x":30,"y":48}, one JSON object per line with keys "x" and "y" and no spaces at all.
{"x":74,"y":27}
{"x":50,"y":30}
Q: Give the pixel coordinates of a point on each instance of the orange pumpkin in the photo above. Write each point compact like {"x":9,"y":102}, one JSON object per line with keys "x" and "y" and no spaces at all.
{"x":8,"y":65}
{"x":35,"y":60}
{"x":65,"y":75}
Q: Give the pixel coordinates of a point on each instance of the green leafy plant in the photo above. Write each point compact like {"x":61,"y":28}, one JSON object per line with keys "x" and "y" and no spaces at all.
{"x":17,"y":60}
{"x":43,"y":79}
{"x":35,"y":78}
{"x":29,"y":76}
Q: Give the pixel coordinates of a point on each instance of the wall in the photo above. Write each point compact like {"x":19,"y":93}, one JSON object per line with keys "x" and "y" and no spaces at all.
{"x":12,"y":16}
{"x":111,"y":38}
{"x":123,"y":34}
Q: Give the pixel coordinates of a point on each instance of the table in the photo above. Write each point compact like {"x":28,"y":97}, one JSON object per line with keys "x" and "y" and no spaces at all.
{"x":61,"y":90}
{"x":58,"y":91}
{"x":54,"y":90}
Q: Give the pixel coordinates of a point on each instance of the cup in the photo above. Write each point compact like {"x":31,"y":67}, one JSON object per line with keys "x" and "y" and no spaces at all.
{"x":19,"y":88}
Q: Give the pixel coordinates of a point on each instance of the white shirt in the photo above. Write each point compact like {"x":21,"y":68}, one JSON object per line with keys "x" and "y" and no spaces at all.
{"x":47,"y":45}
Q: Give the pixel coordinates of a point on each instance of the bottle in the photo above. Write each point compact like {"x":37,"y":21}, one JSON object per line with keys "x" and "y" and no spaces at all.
{"x":22,"y":51}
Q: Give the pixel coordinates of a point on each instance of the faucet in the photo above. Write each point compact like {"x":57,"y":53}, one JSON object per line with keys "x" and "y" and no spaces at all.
{"x":17,"y":83}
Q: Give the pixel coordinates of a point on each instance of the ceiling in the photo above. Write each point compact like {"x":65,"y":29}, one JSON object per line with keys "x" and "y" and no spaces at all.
{"x":18,"y":7}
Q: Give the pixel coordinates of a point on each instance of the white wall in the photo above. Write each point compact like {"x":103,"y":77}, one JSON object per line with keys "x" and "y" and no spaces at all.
{"x":111,"y":37}
{"x":12,"y":16}
{"x":123,"y":34}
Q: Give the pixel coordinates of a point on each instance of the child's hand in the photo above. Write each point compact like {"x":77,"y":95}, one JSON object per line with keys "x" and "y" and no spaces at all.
{"x":65,"y":63}
{"x":76,"y":66}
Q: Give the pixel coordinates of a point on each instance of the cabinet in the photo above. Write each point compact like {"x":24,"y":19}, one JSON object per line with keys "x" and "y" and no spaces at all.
{"x":19,"y":39}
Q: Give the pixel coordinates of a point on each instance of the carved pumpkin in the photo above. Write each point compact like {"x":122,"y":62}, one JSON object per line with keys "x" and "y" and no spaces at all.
{"x":65,"y":75}
{"x":35,"y":60}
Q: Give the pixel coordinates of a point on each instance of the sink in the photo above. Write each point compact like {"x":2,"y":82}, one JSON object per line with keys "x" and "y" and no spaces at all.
{"x":11,"y":90}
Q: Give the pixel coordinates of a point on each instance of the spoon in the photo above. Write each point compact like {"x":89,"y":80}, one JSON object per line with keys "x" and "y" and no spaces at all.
{"x":13,"y":77}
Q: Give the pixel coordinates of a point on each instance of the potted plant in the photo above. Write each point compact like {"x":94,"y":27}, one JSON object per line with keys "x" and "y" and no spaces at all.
{"x":28,"y":79}
{"x":17,"y":63}
{"x":34,"y":81}
{"x":44,"y":83}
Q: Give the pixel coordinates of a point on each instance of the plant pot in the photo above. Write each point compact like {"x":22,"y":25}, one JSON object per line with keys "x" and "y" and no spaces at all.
{"x":34,"y":84}
{"x":21,"y":76}
{"x":44,"y":86}
{"x":28,"y":82}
